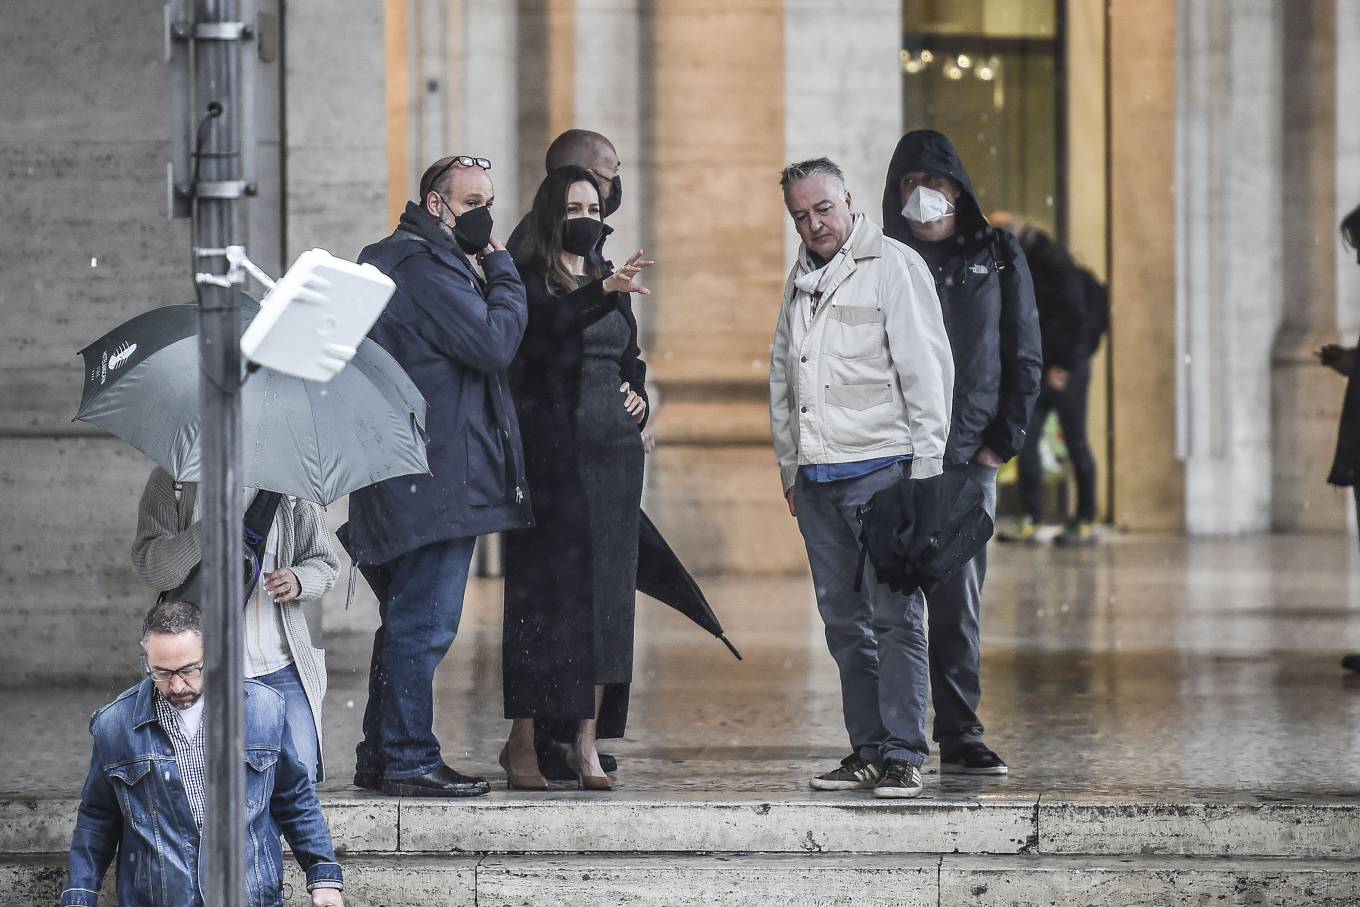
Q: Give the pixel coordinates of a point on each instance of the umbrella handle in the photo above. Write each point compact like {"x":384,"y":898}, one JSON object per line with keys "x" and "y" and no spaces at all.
{"x":731,"y":648}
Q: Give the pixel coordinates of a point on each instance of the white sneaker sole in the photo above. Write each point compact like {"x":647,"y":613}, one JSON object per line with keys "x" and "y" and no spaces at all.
{"x":822,"y":784}
{"x":898,"y":793}
{"x":958,"y":768}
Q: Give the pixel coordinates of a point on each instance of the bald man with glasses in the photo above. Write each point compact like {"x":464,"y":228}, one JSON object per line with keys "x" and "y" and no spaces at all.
{"x":455,"y":329}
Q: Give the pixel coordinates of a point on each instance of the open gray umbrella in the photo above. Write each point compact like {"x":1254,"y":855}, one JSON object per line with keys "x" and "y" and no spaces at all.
{"x":314,"y":441}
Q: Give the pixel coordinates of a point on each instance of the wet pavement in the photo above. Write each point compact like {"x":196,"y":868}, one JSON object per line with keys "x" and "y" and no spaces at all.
{"x":1146,"y":667}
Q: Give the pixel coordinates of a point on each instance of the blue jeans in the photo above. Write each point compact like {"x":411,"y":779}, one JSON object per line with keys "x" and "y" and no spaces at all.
{"x":419,"y":622}
{"x":876,"y":635}
{"x":301,"y":724}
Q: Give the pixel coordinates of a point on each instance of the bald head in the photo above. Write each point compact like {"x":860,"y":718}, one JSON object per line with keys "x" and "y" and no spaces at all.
{"x":458,"y":188}
{"x":588,"y":150}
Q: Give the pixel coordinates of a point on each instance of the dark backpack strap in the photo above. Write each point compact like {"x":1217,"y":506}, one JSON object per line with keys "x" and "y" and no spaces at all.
{"x":259,"y":517}
{"x":1000,"y":259}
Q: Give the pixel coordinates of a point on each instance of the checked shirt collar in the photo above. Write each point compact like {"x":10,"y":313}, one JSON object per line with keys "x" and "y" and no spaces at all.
{"x":188,"y":755}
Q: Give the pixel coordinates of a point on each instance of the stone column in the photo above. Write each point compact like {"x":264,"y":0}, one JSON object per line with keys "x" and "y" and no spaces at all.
{"x":1306,"y":398}
{"x":1228,"y":264}
{"x":1088,"y":189}
{"x":842,"y":66}
{"x":714,"y":137}
{"x":1148,"y":486}
{"x":336,"y":108}
{"x":349,"y":148}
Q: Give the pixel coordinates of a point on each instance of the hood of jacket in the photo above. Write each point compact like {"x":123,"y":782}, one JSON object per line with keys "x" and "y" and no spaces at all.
{"x":931,"y":152}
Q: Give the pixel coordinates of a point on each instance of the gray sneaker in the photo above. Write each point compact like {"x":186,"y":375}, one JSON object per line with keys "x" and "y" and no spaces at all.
{"x":855,"y":773}
{"x":900,"y":779}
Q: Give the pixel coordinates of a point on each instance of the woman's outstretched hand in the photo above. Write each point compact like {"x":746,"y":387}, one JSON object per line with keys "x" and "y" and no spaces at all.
{"x":625,"y":279}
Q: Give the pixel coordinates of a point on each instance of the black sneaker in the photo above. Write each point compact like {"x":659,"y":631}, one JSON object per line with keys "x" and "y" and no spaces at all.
{"x":368,"y":780}
{"x":972,"y":759}
{"x":855,"y":773}
{"x":900,"y":780}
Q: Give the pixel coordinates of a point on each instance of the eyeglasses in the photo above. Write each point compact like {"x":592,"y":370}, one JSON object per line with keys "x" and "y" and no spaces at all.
{"x":164,"y":675}
{"x":462,"y":159}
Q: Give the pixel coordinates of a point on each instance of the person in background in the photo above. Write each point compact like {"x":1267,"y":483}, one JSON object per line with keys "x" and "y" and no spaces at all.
{"x":144,"y":798}
{"x":571,"y":580}
{"x":1061,"y":293}
{"x":988,"y":301}
{"x":299,"y":566}
{"x":1342,"y":360}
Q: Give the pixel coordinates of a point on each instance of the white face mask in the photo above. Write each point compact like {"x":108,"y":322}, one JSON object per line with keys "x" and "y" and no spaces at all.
{"x":925,"y":205}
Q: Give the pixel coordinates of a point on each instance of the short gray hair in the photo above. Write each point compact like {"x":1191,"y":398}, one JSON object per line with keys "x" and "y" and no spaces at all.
{"x":170,"y":618}
{"x":794,"y":173}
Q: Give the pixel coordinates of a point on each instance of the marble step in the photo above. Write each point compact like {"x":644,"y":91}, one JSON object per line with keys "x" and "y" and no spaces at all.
{"x":910,"y":880}
{"x":577,"y":823}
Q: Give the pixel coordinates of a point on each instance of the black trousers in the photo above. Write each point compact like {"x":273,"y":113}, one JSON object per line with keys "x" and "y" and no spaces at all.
{"x":1070,"y":404}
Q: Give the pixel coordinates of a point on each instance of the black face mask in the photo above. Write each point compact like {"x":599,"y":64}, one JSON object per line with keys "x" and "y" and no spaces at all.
{"x":472,"y":229}
{"x":615,"y":199}
{"x":581,"y":235}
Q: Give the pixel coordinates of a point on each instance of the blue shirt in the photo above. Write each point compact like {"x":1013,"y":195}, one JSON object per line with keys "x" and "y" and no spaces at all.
{"x":836,"y":472}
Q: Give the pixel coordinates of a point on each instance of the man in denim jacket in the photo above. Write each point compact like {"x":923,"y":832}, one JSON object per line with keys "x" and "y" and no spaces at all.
{"x":143,"y":798}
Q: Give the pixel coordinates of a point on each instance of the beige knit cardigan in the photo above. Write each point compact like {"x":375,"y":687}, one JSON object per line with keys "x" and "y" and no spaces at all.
{"x":168,"y":547}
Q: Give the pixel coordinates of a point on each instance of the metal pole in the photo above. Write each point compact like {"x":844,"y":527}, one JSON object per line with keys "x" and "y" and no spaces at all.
{"x":217,"y":55}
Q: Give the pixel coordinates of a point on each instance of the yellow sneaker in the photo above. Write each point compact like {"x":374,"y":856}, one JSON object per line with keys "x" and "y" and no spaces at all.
{"x":1025,"y":531}
{"x":1077,"y":532}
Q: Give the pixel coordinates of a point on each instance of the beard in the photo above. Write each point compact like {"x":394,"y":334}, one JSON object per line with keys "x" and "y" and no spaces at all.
{"x":185,"y":700}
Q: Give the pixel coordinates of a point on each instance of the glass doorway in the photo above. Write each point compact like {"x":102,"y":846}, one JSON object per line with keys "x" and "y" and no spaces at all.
{"x":989,"y":74}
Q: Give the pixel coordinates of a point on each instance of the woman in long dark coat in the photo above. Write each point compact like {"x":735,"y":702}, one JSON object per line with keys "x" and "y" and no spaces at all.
{"x":570,"y":582}
{"x":1346,"y":464}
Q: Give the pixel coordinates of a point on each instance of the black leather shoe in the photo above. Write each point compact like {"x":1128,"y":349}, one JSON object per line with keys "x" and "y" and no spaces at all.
{"x":552,"y":759}
{"x":439,"y":782}
{"x":368,"y":780}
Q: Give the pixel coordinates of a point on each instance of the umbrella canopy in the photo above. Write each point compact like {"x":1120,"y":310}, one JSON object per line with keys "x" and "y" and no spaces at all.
{"x":660,"y":575}
{"x":310,"y":440}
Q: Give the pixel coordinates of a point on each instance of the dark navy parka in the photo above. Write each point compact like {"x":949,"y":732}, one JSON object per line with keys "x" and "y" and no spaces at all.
{"x":455,"y":334}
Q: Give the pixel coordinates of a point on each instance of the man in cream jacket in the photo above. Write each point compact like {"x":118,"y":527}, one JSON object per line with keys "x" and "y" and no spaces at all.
{"x":861,"y":379}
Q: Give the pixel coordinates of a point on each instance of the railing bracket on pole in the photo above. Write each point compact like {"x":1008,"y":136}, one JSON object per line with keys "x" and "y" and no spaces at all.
{"x":211,"y":31}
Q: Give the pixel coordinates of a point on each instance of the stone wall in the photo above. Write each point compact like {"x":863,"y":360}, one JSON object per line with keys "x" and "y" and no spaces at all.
{"x":84,"y":245}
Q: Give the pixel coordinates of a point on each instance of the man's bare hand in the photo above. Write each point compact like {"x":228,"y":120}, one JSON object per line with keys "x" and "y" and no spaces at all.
{"x":327,"y":897}
{"x":282,"y":585}
{"x":987,"y":458}
{"x":792,"y":497}
{"x":1057,"y":378}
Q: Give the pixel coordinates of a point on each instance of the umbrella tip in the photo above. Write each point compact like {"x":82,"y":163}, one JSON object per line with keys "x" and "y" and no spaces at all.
{"x":731,"y":648}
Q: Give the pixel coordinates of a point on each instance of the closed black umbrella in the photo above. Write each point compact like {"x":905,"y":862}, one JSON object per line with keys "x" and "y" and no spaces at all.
{"x":916,"y":535}
{"x":664,"y":578}
{"x":660,"y":575}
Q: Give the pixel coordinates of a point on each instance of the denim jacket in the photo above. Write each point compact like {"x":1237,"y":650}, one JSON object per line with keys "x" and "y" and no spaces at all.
{"x":134,"y":804}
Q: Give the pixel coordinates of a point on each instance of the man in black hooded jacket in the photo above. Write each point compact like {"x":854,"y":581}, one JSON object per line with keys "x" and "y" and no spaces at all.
{"x":985,"y":290}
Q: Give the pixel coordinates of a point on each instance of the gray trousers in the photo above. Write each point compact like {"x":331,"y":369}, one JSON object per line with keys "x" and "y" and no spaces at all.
{"x":955,"y":608}
{"x":876,"y":636}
